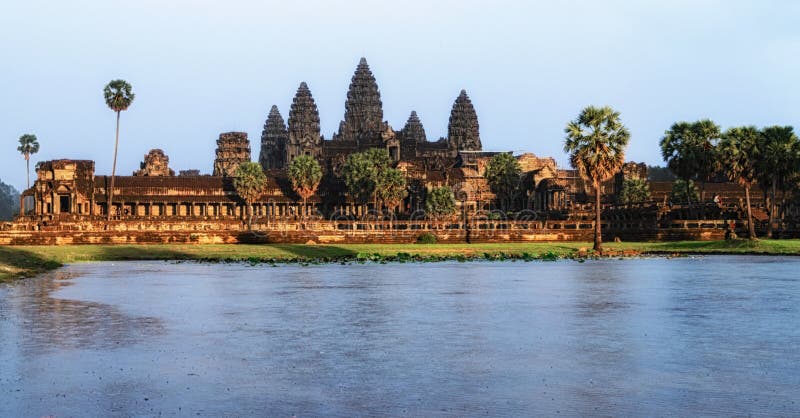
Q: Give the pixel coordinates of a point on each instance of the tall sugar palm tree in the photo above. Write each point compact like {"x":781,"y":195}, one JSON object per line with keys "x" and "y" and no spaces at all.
{"x":775,"y":164}
{"x":119,"y":96}
{"x":739,"y":154}
{"x":249,"y":181}
{"x":689,"y":149}
{"x":596,"y":142}
{"x":305,"y":175}
{"x":28,"y":145}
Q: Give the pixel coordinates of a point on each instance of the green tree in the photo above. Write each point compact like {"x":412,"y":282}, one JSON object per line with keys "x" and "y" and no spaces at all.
{"x":689,"y":148}
{"x":28,"y":145}
{"x":440,"y":202}
{"x":503,"y":175}
{"x":305,"y":175}
{"x":595,"y":142}
{"x":775,"y":163}
{"x":119,"y":96}
{"x":379,"y":158}
{"x":391,"y":188}
{"x":634,"y":191}
{"x":249,"y":182}
{"x":361,"y":172}
{"x":680,"y":188}
{"x":9,"y":202}
{"x":739,"y":156}
{"x":359,"y":177}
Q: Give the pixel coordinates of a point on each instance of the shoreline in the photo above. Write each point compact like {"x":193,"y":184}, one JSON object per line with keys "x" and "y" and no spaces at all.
{"x":18,"y":262}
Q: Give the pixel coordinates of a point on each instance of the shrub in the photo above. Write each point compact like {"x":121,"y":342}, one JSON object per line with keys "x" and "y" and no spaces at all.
{"x":426,"y":238}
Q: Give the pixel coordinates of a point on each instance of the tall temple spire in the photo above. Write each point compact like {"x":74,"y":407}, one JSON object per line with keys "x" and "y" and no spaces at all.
{"x":462,"y":131}
{"x":414,"y":131}
{"x":304,"y":133}
{"x":273,"y":140}
{"x":363,"y":107}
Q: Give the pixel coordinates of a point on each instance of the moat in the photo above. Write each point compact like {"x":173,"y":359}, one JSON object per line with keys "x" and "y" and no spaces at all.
{"x":713,"y":335}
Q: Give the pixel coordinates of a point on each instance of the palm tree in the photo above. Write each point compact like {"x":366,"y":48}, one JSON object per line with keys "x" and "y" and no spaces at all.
{"x":440,"y":202}
{"x":503,"y":175}
{"x":634,"y":191}
{"x":380,"y":161}
{"x":28,"y":145}
{"x":359,"y":174}
{"x":774,"y":163}
{"x":119,"y":96}
{"x":689,"y":148}
{"x":706,"y":134}
{"x":738,"y":153}
{"x":249,"y":181}
{"x":305,"y":175}
{"x":391,"y":188}
{"x":596,"y":143}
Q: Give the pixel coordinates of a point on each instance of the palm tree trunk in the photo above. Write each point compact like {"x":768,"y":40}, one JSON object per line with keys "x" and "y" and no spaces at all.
{"x":28,"y":169}
{"x":113,"y":173}
{"x":598,"y":237}
{"x":751,"y":229}
{"x":703,"y":200}
{"x":772,"y":206}
{"x":689,"y":198}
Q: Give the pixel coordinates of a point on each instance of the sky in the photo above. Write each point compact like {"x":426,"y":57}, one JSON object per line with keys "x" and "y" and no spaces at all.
{"x":201,"y":67}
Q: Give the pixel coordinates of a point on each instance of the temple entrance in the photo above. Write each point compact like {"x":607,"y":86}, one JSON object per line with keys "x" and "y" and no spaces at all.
{"x":63,"y":203}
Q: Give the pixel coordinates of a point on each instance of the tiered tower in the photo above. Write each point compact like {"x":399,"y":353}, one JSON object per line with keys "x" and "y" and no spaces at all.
{"x":363,"y":115}
{"x":414,"y":131}
{"x":155,"y":164}
{"x":273,"y":141}
{"x":233,"y":148}
{"x":304,"y":132}
{"x":411,"y":137}
{"x":462,"y":131}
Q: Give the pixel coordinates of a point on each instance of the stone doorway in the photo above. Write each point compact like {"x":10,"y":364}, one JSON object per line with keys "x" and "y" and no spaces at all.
{"x":63,"y":203}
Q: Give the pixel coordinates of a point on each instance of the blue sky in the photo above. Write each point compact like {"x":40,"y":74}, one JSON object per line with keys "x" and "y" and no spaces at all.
{"x":201,"y":67}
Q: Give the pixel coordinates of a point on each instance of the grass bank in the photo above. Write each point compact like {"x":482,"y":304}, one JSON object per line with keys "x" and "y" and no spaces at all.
{"x":23,"y":261}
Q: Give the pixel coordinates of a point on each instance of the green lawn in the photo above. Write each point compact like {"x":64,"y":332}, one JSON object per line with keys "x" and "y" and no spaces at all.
{"x":22,"y":261}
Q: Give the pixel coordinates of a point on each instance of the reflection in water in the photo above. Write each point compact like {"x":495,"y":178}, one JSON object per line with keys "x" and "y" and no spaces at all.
{"x":52,"y":323}
{"x":652,"y":337}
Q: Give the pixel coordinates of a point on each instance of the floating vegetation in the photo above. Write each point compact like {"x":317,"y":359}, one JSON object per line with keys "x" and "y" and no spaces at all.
{"x":401,"y":257}
{"x":549,"y":256}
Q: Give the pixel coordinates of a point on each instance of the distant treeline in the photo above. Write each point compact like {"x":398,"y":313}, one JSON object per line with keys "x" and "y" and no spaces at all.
{"x":9,"y":202}
{"x":658,"y":173}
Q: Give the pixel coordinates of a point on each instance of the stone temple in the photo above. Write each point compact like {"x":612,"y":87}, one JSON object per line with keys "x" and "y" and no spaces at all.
{"x":70,"y":187}
{"x":362,"y":128}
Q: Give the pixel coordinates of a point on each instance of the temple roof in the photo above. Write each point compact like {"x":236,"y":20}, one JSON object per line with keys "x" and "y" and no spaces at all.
{"x":414,"y":129}
{"x":274,"y":126}
{"x":463,"y":131}
{"x":182,"y":189}
{"x":304,"y":115}
{"x":363,"y":107}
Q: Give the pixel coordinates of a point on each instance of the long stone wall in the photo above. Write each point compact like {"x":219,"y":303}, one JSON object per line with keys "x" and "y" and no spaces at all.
{"x":340,"y":232}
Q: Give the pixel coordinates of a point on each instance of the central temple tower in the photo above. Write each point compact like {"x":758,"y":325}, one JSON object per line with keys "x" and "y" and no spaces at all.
{"x":363,"y":114}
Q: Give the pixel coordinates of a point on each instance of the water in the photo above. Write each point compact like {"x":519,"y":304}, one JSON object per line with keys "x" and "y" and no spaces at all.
{"x":645,"y":337}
